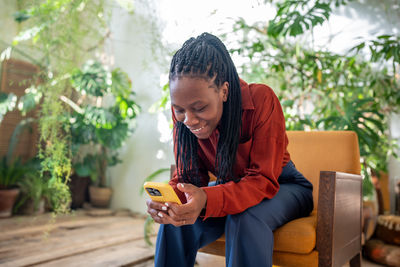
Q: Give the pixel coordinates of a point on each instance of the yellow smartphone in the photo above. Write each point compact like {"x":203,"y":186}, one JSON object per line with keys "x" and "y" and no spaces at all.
{"x":161,"y":192}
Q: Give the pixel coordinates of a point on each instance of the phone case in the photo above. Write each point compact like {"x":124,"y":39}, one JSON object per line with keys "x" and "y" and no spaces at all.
{"x":161,"y":192}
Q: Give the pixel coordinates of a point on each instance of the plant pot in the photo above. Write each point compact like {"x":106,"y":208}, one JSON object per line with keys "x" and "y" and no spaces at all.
{"x":100,"y":196}
{"x":7,"y":200}
{"x":29,"y":209}
{"x":79,"y":190}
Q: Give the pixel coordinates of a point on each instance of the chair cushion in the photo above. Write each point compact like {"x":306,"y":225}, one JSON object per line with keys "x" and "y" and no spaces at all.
{"x":297,"y":236}
{"x":293,"y":259}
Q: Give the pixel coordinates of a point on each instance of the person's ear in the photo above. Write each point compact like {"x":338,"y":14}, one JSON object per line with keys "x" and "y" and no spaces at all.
{"x":225,"y":91}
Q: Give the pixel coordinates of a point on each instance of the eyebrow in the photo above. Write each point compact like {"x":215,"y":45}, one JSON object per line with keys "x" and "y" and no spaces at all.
{"x":194,"y":103}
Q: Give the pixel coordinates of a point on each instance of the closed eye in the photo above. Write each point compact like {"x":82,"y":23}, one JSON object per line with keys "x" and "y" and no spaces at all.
{"x":200,"y":109}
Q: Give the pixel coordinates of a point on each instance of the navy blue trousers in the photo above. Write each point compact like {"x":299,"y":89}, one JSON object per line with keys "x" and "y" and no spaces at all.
{"x":249,"y":234}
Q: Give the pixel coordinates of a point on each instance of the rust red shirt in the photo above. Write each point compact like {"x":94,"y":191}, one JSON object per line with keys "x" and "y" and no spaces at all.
{"x":261,"y":155}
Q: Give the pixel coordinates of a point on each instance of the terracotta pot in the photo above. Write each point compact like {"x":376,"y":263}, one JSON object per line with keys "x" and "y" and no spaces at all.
{"x":7,"y":200}
{"x":100,"y":196}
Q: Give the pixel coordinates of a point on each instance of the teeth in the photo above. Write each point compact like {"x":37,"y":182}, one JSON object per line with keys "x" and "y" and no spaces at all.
{"x":196,"y":130}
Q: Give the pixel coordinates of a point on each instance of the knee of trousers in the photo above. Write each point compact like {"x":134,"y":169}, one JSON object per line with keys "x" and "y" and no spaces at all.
{"x":246,"y":223}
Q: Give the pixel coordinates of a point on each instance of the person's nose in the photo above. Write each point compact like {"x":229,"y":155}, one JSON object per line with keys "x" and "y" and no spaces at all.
{"x":190,"y":119}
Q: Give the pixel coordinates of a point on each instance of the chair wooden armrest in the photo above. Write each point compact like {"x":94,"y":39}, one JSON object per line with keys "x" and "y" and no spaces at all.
{"x":339,"y":219}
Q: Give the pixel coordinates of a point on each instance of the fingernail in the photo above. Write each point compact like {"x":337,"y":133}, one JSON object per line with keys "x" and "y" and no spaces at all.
{"x":160,"y":215}
{"x":166,"y":204}
{"x":164,"y":208}
{"x":182,"y":185}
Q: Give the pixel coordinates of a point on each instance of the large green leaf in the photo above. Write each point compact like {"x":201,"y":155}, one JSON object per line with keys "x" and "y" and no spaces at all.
{"x":93,"y":79}
{"x":29,"y":100}
{"x":7,"y":103}
{"x":294,"y":17}
{"x":113,"y":138}
{"x":101,"y":117}
{"x":121,"y":84}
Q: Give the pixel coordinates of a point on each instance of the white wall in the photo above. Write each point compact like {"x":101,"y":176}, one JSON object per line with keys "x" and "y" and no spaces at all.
{"x":8,"y":27}
{"x":135,"y":45}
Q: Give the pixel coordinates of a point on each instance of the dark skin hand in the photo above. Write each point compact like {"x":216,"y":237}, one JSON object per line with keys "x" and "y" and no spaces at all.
{"x":178,"y":215}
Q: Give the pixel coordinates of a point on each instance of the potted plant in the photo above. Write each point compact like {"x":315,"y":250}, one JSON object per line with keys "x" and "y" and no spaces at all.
{"x":99,"y":123}
{"x":11,"y":172}
{"x":34,"y":190}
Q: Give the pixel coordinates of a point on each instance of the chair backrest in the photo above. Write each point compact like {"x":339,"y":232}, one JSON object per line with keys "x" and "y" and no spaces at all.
{"x":317,"y":151}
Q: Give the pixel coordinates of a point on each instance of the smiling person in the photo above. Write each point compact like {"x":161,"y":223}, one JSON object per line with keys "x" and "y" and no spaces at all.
{"x":235,"y":131}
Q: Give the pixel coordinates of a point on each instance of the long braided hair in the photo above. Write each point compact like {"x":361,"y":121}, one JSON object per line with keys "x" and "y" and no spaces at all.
{"x":207,"y":57}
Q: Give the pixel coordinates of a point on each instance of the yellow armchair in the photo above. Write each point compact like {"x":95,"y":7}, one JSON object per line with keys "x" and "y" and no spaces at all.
{"x":331,"y":235}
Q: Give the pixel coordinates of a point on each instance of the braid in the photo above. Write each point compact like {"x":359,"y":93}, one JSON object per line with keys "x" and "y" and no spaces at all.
{"x":207,"y":57}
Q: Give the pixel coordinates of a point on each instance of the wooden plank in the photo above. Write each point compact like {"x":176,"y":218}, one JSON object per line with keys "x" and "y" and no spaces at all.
{"x":64,"y":242}
{"x":21,"y":221}
{"x":27,"y":225}
{"x":74,"y":233}
{"x":129,"y":253}
{"x":204,"y":259}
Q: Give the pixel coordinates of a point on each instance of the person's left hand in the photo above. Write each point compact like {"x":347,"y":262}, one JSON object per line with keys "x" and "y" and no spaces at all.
{"x":187,"y":213}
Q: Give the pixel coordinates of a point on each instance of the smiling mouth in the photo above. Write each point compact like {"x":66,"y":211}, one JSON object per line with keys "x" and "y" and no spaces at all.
{"x":197,"y":130}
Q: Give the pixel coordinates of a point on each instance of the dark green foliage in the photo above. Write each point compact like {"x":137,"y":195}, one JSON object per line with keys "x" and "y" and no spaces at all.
{"x":322,"y":90}
{"x":11,"y":172}
{"x":102,"y":128}
{"x":34,"y":187}
{"x":295,"y":17}
{"x":92,"y":79}
{"x":21,"y":16}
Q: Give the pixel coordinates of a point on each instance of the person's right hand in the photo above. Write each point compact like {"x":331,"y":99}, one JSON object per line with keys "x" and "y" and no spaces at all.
{"x":157,"y":210}
{"x":179,"y":215}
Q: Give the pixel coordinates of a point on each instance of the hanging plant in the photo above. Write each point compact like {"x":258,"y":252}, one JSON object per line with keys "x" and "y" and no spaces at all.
{"x":59,"y":36}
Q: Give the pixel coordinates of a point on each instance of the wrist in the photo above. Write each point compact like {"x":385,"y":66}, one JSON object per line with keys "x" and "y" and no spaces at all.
{"x":203,"y":210}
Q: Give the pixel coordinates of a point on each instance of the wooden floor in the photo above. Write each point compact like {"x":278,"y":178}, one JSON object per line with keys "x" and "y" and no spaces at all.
{"x":74,"y":240}
{"x":80,"y":239}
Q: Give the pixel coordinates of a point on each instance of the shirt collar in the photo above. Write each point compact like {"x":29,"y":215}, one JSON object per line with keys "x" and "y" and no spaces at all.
{"x":247,"y":101}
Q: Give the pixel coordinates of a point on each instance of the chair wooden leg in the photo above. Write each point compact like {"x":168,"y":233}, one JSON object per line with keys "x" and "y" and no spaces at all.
{"x":356,"y":260}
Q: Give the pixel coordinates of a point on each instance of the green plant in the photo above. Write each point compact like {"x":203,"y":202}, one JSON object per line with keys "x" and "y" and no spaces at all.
{"x":59,"y":36}
{"x":7,"y":103}
{"x":11,"y":172}
{"x":322,"y":90}
{"x":103,"y":127}
{"x":34,"y":187}
{"x":148,"y":230}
